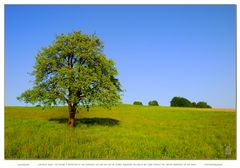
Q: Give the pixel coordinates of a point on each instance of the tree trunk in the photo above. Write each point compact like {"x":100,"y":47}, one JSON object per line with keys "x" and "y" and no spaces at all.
{"x":72,"y":112}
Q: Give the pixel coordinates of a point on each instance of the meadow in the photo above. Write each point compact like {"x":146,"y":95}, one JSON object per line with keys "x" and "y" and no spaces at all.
{"x":124,"y":132}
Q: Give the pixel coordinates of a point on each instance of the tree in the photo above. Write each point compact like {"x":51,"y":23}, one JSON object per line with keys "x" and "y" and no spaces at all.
{"x":137,"y":103}
{"x":180,"y":102}
{"x":153,"y":103}
{"x":74,"y":70}
{"x":202,"y":104}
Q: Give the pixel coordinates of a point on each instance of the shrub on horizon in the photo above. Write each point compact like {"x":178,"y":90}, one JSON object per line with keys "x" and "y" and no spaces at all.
{"x":194,"y":104}
{"x":153,"y":103}
{"x":137,"y":103}
{"x":202,"y":104}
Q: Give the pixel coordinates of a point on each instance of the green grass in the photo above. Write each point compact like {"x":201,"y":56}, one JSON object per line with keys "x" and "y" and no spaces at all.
{"x":125,"y":132}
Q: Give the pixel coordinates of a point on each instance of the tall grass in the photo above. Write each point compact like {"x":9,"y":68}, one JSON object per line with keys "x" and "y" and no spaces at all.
{"x":125,"y":132}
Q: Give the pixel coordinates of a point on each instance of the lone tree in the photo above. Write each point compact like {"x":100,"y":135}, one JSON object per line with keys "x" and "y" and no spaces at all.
{"x":74,"y":70}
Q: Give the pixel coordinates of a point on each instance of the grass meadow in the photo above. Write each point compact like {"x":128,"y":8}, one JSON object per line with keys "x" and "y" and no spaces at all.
{"x":124,"y":132}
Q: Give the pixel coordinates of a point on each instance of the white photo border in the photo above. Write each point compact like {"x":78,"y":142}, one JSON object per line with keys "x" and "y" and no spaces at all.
{"x":110,"y":163}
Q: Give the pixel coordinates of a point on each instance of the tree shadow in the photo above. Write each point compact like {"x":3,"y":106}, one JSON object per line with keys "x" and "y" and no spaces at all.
{"x":88,"y":121}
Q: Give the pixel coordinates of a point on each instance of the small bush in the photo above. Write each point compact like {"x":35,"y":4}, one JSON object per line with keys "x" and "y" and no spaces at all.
{"x":180,"y":102}
{"x":202,"y":104}
{"x":153,"y":103}
{"x":137,"y":103}
{"x":194,"y":104}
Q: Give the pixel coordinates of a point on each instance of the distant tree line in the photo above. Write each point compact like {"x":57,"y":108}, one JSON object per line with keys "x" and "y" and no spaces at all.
{"x":183,"y":102}
{"x":177,"y":102}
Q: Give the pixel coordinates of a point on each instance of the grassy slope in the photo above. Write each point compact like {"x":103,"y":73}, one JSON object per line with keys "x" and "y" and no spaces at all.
{"x":125,"y":132}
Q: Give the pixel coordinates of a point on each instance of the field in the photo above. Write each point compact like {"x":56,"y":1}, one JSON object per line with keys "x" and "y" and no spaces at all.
{"x":124,"y":132}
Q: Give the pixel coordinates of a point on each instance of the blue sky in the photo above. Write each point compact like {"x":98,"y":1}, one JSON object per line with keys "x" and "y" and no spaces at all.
{"x":160,"y":51}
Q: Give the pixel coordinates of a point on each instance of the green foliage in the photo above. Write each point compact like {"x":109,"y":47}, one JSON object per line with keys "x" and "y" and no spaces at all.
{"x":153,"y":103}
{"x":73,"y":69}
{"x":194,"y":104}
{"x":180,"y":102}
{"x":137,"y":103}
{"x":183,"y":102}
{"x":142,"y":132}
{"x":202,"y":104}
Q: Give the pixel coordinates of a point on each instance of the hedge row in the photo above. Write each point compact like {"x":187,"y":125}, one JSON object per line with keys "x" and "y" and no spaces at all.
{"x":177,"y":102}
{"x":183,"y":102}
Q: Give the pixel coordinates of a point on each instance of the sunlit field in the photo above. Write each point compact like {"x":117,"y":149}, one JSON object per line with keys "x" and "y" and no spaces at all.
{"x":124,"y":132}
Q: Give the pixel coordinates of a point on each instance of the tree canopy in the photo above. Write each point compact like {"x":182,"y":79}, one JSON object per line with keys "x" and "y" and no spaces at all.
{"x":183,"y":102}
{"x":137,"y":103}
{"x":202,"y":104}
{"x":74,"y":70}
{"x":153,"y":103}
{"x":180,"y":102}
